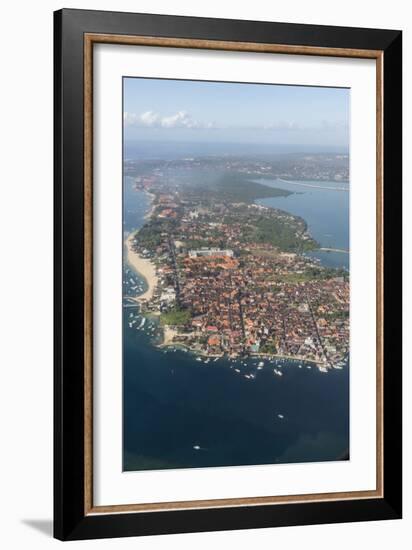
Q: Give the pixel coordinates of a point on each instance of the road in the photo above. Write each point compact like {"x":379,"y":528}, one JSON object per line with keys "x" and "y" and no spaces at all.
{"x":342,"y":250}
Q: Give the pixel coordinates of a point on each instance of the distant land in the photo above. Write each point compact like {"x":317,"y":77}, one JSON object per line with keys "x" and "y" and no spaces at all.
{"x":180,"y":149}
{"x":191,"y":169}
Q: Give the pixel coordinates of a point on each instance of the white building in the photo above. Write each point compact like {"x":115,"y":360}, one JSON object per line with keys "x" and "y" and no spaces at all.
{"x":168,"y":296}
{"x":210,"y":252}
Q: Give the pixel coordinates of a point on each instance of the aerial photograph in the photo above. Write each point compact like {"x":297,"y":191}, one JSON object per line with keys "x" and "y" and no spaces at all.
{"x":236,"y":274}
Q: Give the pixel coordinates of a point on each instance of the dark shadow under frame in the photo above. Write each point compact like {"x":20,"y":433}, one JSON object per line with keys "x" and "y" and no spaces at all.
{"x":75,"y":33}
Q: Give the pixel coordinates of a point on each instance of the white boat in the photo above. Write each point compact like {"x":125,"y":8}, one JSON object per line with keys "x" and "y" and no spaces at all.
{"x":196,"y":447}
{"x":278,"y":372}
{"x":261,"y":364}
{"x":323,"y":369}
{"x":281,"y":416}
{"x":142,"y":322}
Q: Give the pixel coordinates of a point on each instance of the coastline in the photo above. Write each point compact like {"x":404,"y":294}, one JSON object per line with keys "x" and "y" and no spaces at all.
{"x":169,"y":333}
{"x":305,"y":184}
{"x":144,"y":267}
{"x":150,"y":211}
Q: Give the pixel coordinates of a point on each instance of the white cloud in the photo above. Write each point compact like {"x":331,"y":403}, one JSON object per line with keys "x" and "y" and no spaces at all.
{"x":148,"y":118}
{"x":179,"y":120}
{"x":128,"y":118}
{"x":151,"y":119}
{"x":183,"y":119}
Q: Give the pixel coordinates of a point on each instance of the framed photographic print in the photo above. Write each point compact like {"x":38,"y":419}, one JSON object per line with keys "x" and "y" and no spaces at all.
{"x":227,"y":274}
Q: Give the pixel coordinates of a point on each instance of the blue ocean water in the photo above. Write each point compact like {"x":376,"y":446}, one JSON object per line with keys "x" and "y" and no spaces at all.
{"x":135,"y":205}
{"x":173,"y":403}
{"x":183,"y":413}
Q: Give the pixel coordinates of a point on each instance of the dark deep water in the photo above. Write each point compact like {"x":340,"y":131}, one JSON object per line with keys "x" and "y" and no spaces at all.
{"x":173,"y":403}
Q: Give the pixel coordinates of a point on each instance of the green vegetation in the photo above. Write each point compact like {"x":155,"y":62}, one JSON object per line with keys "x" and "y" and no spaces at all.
{"x":327,"y":273}
{"x":278,"y":233}
{"x":265,"y":253}
{"x":197,"y":243}
{"x":237,"y":188}
{"x":232,"y":187}
{"x":176,"y":316}
{"x":150,"y":235}
{"x":268,"y":347}
{"x":338,"y":314}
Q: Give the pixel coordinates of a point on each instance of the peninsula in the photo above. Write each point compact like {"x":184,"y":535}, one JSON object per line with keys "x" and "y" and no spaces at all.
{"x":230,"y":277}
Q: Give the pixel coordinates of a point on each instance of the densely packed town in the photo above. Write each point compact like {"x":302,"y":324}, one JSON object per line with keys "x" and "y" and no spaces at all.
{"x":234,"y":277}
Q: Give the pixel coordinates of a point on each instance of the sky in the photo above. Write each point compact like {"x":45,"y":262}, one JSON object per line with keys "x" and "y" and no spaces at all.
{"x":198,"y":111}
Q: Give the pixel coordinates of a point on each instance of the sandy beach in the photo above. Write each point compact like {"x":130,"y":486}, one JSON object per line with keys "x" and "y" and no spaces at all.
{"x":168,"y":334}
{"x":144,"y":267}
{"x":149,"y":213}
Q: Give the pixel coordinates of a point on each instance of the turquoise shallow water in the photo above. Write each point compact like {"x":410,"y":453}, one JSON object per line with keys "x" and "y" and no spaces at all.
{"x":173,"y":403}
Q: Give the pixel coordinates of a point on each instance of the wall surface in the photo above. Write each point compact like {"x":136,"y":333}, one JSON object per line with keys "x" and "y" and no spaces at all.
{"x":26,"y":274}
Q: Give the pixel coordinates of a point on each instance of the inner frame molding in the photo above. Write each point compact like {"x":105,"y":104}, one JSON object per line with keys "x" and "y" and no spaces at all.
{"x":94,"y":38}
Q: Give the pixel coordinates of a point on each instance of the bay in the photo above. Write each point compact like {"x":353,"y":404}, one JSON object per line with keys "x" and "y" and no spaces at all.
{"x":326,"y":211}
